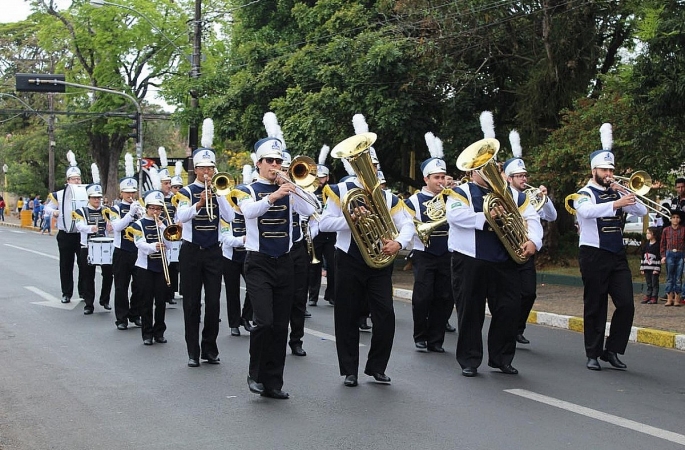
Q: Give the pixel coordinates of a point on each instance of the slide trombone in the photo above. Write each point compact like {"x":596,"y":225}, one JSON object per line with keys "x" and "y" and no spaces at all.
{"x":303,"y":171}
{"x":173,"y":232}
{"x":639,"y":185}
{"x":162,"y":251}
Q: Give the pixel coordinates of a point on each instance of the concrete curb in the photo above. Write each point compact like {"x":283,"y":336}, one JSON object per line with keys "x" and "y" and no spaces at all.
{"x":659,"y":338}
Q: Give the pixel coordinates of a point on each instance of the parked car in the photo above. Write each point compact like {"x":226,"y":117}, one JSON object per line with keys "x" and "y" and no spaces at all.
{"x":634,"y":223}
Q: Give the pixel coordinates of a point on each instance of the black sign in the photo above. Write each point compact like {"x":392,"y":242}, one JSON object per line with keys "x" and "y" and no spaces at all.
{"x":29,"y":82}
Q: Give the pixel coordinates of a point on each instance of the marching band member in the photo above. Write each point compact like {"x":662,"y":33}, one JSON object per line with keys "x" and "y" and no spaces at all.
{"x":357,"y":283}
{"x":165,"y":187}
{"x":517,"y":177}
{"x":432,"y":300}
{"x":176,"y":185}
{"x":90,"y":222}
{"x":148,"y":232}
{"x":127,"y":211}
{"x":200,"y":255}
{"x":233,"y":250}
{"x":602,"y":258}
{"x":324,"y":243}
{"x":68,"y":241}
{"x":478,"y":258}
{"x":301,"y":259}
{"x":269,"y":272}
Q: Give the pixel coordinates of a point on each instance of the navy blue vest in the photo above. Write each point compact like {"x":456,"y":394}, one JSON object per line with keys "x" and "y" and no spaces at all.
{"x":205,"y":231}
{"x":126,"y":244}
{"x":609,"y":229}
{"x":438,"y":240}
{"x":274,"y":225}
{"x":488,"y":245}
{"x":93,"y":217}
{"x":150,"y":231}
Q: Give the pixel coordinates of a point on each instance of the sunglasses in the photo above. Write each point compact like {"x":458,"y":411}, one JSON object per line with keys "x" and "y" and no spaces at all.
{"x":271,"y":160}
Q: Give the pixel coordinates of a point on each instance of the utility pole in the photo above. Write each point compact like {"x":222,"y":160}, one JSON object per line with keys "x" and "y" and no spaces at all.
{"x":193,"y":128}
{"x":51,"y":144}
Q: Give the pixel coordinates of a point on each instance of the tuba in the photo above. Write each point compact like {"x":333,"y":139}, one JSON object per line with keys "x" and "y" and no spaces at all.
{"x":509,"y":226}
{"x":369,"y":230}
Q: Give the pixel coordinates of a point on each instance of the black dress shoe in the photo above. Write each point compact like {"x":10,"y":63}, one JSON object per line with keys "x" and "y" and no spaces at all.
{"x":106,"y":305}
{"x":161,"y":339}
{"x":521,"y":339}
{"x":508,"y":369}
{"x":87,"y":311}
{"x":612,"y":358}
{"x":235,"y":331}
{"x":247,"y":325}
{"x":147,"y":341}
{"x":66,"y":299}
{"x":378,"y":376}
{"x":421,"y":345}
{"x":330,"y":301}
{"x":192,"y":362}
{"x":593,"y":364}
{"x":436,"y":348}
{"x":122,"y":326}
{"x":137,"y":321}
{"x":298,"y":350}
{"x":312,"y":303}
{"x":275,"y":393}
{"x":469,"y":371}
{"x":253,"y":386}
{"x":449,"y":328}
{"x":211,"y":359}
{"x":350,"y":381}
{"x":307,"y":314}
{"x":364,"y":325}
{"x":171,"y":301}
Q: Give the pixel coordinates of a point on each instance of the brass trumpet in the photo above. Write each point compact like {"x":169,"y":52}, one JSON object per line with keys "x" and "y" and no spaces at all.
{"x":221,"y":184}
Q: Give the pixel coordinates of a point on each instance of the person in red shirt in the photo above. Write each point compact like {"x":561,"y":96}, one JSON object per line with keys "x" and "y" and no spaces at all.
{"x":672,"y":252}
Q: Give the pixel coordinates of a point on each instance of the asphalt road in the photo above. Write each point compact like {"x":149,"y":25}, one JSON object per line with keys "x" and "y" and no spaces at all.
{"x":69,"y":381}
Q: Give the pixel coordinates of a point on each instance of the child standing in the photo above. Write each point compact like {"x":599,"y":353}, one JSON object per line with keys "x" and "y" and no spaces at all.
{"x":650,"y":266}
{"x":47,"y":218}
{"x":672,"y":251}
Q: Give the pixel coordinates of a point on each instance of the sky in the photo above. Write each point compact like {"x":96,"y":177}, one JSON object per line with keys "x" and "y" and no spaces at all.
{"x":18,"y":10}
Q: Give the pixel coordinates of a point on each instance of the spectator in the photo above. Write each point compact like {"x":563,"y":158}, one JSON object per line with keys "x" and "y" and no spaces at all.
{"x":20,"y":205}
{"x":46,"y":219}
{"x":650,"y":266}
{"x":2,"y":208}
{"x":37,"y":207}
{"x":672,"y":250}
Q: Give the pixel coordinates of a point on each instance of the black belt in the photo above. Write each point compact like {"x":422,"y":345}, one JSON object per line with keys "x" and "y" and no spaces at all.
{"x":264,"y":255}
{"x":199,"y":247}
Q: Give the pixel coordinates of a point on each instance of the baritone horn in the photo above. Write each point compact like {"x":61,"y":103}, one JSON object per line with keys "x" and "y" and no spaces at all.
{"x":535,"y":196}
{"x":509,"y":226}
{"x":639,"y":184}
{"x":371,"y":229}
{"x":436,"y":211}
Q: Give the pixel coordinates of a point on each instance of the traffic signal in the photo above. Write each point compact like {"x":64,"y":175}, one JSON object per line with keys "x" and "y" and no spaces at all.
{"x":135,"y":126}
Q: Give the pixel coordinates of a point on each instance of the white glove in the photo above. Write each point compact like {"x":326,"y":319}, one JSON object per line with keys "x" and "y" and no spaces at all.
{"x":136,"y":210}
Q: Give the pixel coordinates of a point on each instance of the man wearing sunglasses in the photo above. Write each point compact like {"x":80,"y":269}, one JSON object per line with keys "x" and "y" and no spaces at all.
{"x":267,"y":205}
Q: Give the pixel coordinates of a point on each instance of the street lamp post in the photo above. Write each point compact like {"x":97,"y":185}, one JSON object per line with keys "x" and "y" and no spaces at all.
{"x":4,"y":175}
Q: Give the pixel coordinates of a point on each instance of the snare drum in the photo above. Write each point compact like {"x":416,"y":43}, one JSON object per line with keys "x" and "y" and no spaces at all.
{"x":75,"y":198}
{"x":100,"y":251}
{"x":173,"y":249}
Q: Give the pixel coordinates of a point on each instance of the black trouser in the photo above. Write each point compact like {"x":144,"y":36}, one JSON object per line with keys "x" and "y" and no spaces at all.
{"x":652,"y":283}
{"x":324,"y":251}
{"x":301,"y":260}
{"x":69,"y":246}
{"x":88,"y":278}
{"x":474,"y":281}
{"x":173,"y":277}
{"x":201,"y":267}
{"x":270,"y":284}
{"x":356,"y":283}
{"x":153,"y":290}
{"x":431,"y":300}
{"x":232,"y":272}
{"x":528,"y":291}
{"x":605,"y":273}
{"x":125,"y":272}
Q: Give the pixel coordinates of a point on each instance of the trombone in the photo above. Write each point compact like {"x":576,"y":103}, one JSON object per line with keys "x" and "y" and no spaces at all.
{"x":173,"y":232}
{"x":639,"y":184}
{"x":162,"y":252}
{"x":303,"y":171}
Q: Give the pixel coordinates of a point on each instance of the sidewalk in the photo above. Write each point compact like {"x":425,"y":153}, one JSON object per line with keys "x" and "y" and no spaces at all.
{"x":559,"y":304}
